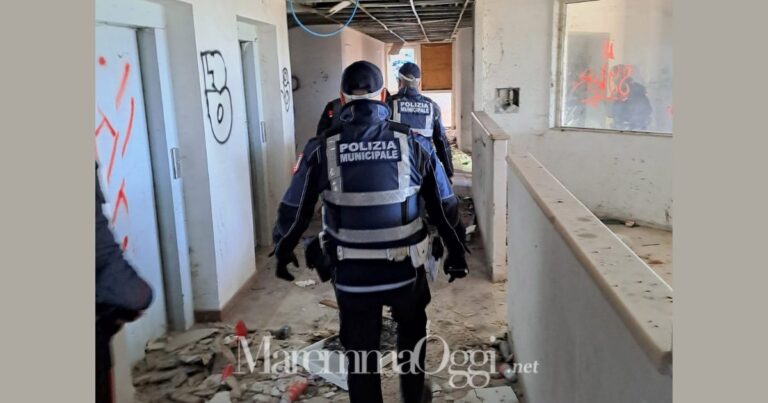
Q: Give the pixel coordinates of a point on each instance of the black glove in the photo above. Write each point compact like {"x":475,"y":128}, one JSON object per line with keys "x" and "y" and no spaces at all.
{"x":455,"y":267}
{"x":282,"y":266}
{"x":437,"y":248}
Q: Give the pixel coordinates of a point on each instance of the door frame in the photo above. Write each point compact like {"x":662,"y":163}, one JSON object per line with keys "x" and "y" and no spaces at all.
{"x":256,"y":126}
{"x":148,"y":20}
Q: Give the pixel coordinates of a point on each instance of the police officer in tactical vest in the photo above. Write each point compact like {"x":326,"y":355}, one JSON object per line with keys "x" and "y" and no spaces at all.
{"x":370,"y":174}
{"x":420,"y":113}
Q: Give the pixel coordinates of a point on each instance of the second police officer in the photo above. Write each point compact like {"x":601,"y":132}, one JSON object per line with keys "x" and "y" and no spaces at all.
{"x":421,"y":113}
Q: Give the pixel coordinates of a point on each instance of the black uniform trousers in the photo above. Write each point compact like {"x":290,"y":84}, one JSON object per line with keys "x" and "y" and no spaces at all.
{"x":361,"y":322}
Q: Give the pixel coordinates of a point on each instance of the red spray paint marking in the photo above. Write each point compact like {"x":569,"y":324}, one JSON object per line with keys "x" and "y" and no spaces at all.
{"x":608,"y":50}
{"x":115,"y":137}
{"x":130,"y":126}
{"x":123,"y":84}
{"x":240,"y":329}
{"x":226,"y":372}
{"x":102,"y":61}
{"x":611,"y":85}
{"x":124,"y":244}
{"x":120,"y":199}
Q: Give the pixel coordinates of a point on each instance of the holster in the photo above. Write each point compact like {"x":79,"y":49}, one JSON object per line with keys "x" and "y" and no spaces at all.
{"x":318,"y":259}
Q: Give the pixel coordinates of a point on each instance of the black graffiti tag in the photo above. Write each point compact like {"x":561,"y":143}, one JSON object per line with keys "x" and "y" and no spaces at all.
{"x":286,"y":91}
{"x":218,"y":100}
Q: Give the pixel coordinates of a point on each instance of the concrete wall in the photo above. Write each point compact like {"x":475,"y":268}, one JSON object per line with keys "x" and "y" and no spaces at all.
{"x":217,"y":172}
{"x":358,"y":46}
{"x":463,"y":85}
{"x":615,"y":175}
{"x":560,"y":316}
{"x":199,"y":42}
{"x":489,"y":178}
{"x":444,"y":101}
{"x":318,"y":64}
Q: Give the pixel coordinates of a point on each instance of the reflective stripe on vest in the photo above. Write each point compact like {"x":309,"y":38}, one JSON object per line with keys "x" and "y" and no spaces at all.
{"x":337,"y":196}
{"x":370,"y":198}
{"x":376,"y":235}
{"x":424,"y":128}
{"x":374,"y":288}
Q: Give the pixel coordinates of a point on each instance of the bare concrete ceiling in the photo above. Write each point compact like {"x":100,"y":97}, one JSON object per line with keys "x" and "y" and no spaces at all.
{"x":392,"y":21}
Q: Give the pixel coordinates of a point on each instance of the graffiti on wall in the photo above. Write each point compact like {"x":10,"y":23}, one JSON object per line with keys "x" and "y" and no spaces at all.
{"x":119,"y":138}
{"x":286,"y":89}
{"x":218,"y":99}
{"x":613,"y":83}
{"x":615,"y":87}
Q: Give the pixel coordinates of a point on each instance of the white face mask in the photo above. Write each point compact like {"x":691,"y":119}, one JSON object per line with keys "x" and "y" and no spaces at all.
{"x":376,"y":95}
{"x":408,"y":79}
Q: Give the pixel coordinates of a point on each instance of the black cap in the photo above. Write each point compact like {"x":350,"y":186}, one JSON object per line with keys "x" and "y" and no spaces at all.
{"x":410,"y":70}
{"x":361,"y":76}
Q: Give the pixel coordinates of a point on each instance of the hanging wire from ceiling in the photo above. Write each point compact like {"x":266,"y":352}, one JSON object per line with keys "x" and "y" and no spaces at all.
{"x":320,"y":34}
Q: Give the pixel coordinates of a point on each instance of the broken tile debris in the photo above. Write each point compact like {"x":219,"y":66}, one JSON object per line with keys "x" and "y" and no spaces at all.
{"x":188,"y":367}
{"x":187,"y":338}
{"x":305,"y":283}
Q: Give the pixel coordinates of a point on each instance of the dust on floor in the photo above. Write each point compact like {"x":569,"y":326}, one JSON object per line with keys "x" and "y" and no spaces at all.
{"x":468,"y":314}
{"x":652,"y":245}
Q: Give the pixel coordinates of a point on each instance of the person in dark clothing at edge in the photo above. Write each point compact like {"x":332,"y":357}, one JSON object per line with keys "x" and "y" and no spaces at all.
{"x":330,"y":115}
{"x":121,"y":296}
{"x":421,"y":113}
{"x":371,"y":173}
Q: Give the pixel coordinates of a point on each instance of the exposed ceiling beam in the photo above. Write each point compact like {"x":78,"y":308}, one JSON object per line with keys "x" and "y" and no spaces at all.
{"x":304,"y":9}
{"x":416,"y":14}
{"x":393,"y":21}
{"x":377,"y":20}
{"x":458,"y":21}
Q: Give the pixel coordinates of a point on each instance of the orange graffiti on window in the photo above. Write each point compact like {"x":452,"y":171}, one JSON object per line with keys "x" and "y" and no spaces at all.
{"x":610,"y":85}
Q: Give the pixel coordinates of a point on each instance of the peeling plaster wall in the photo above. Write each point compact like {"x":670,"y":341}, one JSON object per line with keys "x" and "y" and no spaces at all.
{"x":615,"y":175}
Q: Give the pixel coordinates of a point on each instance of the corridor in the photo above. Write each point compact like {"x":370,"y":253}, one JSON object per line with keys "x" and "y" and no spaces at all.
{"x":559,"y":115}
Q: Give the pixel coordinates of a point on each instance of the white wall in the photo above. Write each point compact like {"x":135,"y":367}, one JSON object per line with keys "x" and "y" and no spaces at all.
{"x":559,"y":317}
{"x":463,"y":84}
{"x":514,"y":48}
{"x":318,"y":63}
{"x":489,"y":147}
{"x":444,"y":101}
{"x":217,"y":181}
{"x":358,"y":46}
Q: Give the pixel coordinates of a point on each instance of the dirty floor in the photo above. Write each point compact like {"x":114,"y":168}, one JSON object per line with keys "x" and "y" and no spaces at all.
{"x":469,"y":314}
{"x":652,"y":245}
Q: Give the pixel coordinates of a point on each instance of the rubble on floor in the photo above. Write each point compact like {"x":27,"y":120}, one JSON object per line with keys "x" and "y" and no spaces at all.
{"x":462,"y":161}
{"x":467,"y":314}
{"x":206,"y":365}
{"x":199,"y":366}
